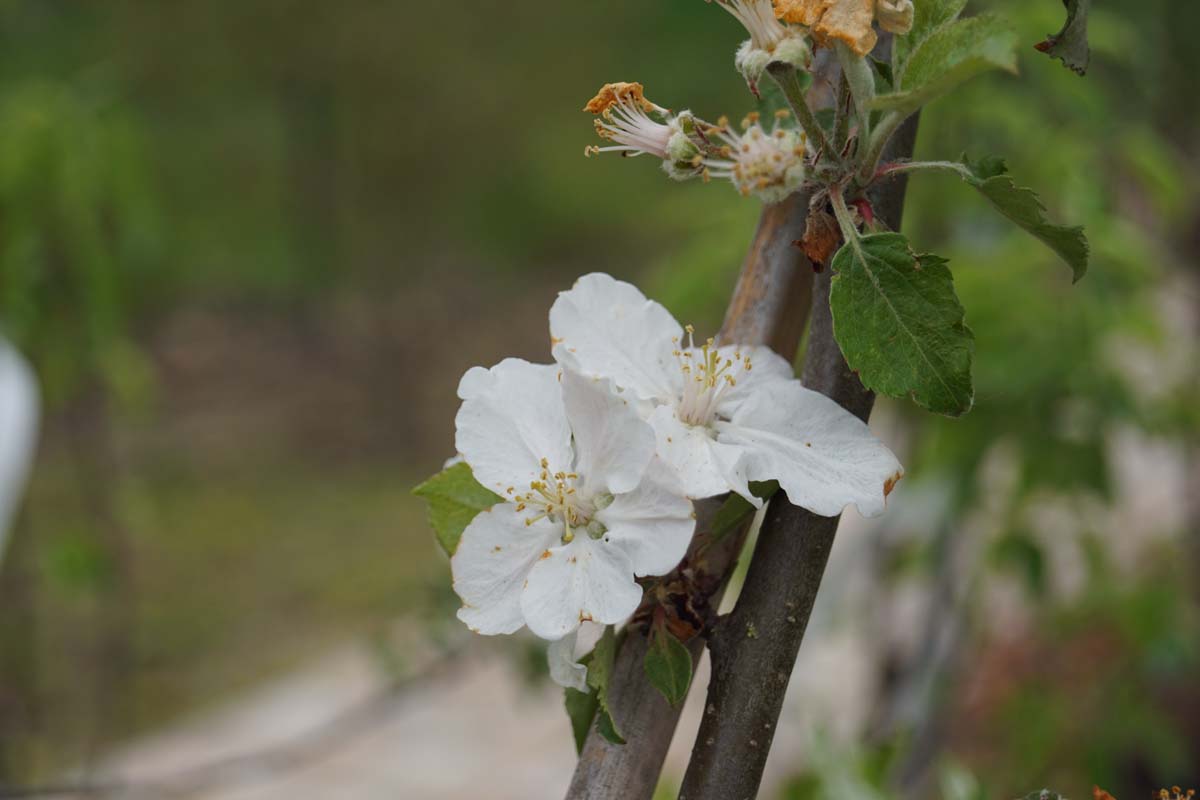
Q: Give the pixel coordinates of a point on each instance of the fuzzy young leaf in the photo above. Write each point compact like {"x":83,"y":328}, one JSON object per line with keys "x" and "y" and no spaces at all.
{"x":928,"y":16}
{"x":900,"y":324}
{"x":599,"y":672}
{"x":1070,"y":45}
{"x":454,"y":498}
{"x":950,"y":55}
{"x":1022,"y":206}
{"x":668,"y":665}
{"x":581,"y":708}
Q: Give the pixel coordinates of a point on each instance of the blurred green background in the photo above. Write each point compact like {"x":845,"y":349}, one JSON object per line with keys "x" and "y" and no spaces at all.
{"x":250,"y":247}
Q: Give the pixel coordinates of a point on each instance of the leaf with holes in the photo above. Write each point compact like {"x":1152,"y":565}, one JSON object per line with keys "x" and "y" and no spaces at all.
{"x":454,"y":498}
{"x":900,"y":324}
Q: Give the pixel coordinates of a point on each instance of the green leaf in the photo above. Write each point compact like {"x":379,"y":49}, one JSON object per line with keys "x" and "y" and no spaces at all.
{"x":734,"y":511}
{"x":668,"y":665}
{"x":900,"y":324}
{"x":1022,"y":206}
{"x":581,"y":708}
{"x":599,"y":672}
{"x":928,"y":16}
{"x":454,"y":498}
{"x":729,"y":516}
{"x":1070,"y":45}
{"x":950,"y":55}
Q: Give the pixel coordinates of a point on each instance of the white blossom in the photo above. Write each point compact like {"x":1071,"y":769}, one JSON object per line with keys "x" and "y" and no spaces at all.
{"x":587,"y":506}
{"x":19,"y":412}
{"x":722,"y":416}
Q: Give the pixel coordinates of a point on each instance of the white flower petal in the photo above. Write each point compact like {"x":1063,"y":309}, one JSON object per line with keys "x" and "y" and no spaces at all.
{"x":588,"y":579}
{"x":19,"y":413}
{"x":703,"y":466}
{"x":766,"y":366}
{"x":512,"y":416}
{"x":653,"y":523}
{"x":564,"y":669}
{"x":823,"y":456}
{"x":613,"y":444}
{"x":609,"y":329}
{"x":491,"y":564}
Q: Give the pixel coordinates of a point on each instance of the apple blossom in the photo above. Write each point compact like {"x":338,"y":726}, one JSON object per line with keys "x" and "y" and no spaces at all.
{"x":722,"y":416}
{"x":586,"y":505}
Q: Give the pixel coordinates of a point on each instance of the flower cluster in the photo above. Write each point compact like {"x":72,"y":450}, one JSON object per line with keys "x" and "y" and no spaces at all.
{"x":769,"y":163}
{"x":598,"y":456}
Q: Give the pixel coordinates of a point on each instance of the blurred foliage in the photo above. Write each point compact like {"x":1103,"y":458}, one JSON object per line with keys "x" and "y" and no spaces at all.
{"x":78,"y":234}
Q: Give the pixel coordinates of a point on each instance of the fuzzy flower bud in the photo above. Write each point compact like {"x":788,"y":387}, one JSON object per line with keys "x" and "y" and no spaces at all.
{"x":770,"y":165}
{"x":770,"y":40}
{"x":625,"y":117}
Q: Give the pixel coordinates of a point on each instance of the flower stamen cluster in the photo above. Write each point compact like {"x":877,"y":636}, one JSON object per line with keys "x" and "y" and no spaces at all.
{"x":770,"y":164}
{"x":707,"y":375}
{"x":557,"y":498}
{"x":625,"y":117}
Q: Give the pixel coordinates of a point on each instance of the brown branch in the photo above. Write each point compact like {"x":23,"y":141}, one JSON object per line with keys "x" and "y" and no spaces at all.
{"x":768,"y":307}
{"x":754,"y":650}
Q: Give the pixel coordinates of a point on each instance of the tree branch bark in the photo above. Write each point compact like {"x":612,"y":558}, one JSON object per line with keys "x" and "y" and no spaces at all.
{"x":754,"y":650}
{"x":769,"y":306}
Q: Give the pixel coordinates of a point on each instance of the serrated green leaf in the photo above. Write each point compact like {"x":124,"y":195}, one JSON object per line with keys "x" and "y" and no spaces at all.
{"x":599,"y":672}
{"x":900,"y":324}
{"x":581,"y":709}
{"x":668,"y":665}
{"x":1022,"y":205}
{"x":454,"y":498}
{"x":950,"y":55}
{"x":1070,"y":45}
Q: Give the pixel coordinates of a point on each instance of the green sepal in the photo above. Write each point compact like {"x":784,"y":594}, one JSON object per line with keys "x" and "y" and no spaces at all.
{"x":454,"y":498}
{"x":581,"y":709}
{"x":668,"y":665}
{"x":598,"y":675}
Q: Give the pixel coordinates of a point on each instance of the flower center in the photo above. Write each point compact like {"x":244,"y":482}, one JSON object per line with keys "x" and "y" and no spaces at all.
{"x":770,"y":165}
{"x":556,"y":497}
{"x":707,"y":376}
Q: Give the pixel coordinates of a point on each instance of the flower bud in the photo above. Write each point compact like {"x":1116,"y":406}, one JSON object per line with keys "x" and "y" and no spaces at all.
{"x":770,"y":40}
